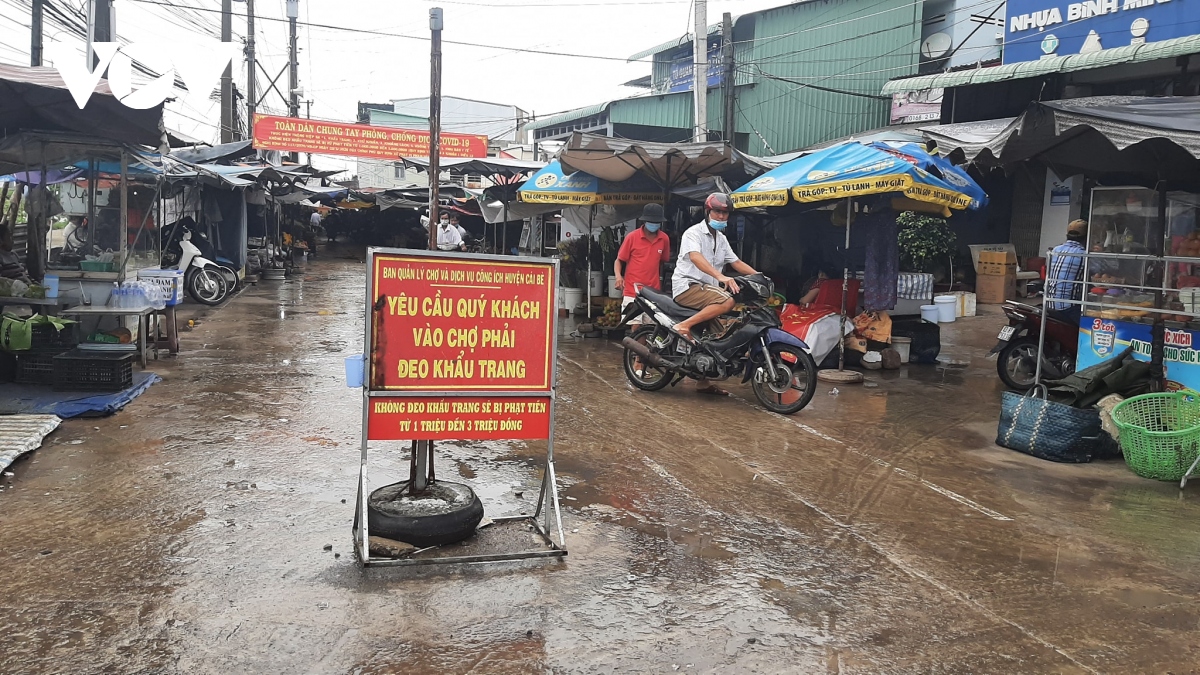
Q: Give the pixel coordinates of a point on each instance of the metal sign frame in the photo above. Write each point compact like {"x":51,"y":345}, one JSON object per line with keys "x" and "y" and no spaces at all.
{"x":548,"y":494}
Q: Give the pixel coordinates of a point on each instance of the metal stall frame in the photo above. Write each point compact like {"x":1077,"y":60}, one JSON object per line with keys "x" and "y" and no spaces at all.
{"x":549,"y":482}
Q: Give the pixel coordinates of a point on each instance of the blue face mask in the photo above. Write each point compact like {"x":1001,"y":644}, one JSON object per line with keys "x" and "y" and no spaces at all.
{"x":717,"y":225}
{"x":652,"y":227}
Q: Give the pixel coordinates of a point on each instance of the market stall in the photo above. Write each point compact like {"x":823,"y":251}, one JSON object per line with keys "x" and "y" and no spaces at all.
{"x":869,"y":184}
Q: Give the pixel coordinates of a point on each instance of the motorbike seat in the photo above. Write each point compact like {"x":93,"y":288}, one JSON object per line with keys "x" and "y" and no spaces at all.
{"x":1024,"y":307}
{"x":667,"y":304}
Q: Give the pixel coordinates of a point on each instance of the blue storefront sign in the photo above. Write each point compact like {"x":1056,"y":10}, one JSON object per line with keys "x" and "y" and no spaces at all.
{"x":682,"y":70}
{"x":1102,"y":339}
{"x":1036,"y":29}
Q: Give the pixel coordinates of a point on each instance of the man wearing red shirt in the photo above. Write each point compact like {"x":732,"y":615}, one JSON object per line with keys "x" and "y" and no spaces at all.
{"x":640,"y":260}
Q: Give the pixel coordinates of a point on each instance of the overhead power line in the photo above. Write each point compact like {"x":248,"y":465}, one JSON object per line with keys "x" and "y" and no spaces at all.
{"x":419,"y":38}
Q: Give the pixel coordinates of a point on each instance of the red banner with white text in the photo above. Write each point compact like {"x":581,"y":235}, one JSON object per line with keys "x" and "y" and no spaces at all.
{"x":293,"y":134}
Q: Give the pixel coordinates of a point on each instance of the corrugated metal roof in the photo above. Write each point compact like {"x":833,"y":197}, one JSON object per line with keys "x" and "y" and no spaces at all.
{"x":20,"y":434}
{"x":578,"y":113}
{"x":673,"y":44}
{"x":1150,"y":51}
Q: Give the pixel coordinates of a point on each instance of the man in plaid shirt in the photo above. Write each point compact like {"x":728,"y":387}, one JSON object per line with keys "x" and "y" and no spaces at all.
{"x":1065,"y":273}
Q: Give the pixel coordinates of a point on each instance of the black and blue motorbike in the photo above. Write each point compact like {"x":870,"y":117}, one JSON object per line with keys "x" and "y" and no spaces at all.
{"x":747,"y":342}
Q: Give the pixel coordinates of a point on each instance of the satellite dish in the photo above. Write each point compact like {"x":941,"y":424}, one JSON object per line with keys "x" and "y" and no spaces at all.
{"x":936,"y":46}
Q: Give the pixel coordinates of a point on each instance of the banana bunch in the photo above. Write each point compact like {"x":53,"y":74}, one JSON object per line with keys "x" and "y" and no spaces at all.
{"x":611,"y":316}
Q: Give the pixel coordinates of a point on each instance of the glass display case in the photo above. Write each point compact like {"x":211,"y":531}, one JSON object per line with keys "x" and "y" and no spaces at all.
{"x":1123,"y":222}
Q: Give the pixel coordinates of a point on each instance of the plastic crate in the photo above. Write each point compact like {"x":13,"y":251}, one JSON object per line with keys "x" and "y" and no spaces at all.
{"x":8,"y":366}
{"x":49,"y":340}
{"x":34,"y":368}
{"x":170,"y":280}
{"x":78,"y":370}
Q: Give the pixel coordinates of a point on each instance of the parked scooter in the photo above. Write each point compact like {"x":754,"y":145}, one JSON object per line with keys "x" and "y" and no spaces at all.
{"x":204,"y":280}
{"x":1018,"y":346}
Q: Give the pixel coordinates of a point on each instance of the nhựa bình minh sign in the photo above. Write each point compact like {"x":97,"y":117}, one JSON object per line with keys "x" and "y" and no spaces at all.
{"x":1036,"y":29}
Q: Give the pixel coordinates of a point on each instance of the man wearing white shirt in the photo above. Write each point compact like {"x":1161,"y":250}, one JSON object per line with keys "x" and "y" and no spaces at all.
{"x":448,"y":238}
{"x":703,"y":254}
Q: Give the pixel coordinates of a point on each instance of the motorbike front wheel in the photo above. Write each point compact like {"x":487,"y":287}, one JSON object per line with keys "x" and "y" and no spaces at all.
{"x":1017,"y":363}
{"x":207,"y":286}
{"x":794,"y":383}
{"x":642,"y":375}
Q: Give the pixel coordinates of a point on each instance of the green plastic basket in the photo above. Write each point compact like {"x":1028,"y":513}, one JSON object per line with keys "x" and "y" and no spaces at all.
{"x":1160,"y":433}
{"x":96,"y":266}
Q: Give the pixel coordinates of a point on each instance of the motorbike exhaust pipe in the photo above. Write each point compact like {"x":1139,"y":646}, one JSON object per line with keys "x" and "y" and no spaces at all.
{"x":643,"y":351}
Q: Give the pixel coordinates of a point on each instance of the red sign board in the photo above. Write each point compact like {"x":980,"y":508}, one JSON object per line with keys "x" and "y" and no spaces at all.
{"x":293,"y":134}
{"x":442,"y":324}
{"x":465,"y":418}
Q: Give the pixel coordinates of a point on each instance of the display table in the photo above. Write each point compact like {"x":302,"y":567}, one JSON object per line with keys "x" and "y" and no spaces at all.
{"x":143,"y":315}
{"x":39,"y":305}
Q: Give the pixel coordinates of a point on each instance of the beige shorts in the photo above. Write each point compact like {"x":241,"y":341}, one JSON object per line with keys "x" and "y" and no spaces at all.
{"x":699,"y":296}
{"x":637,"y":320}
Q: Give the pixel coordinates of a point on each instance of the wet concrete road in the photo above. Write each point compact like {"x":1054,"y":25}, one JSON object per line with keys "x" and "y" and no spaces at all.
{"x":876,"y":531}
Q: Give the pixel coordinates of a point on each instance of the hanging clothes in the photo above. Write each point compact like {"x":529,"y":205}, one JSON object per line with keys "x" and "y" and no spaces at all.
{"x":882,"y":269}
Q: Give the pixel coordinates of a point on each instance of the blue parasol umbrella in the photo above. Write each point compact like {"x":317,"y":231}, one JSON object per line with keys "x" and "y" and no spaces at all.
{"x":849,"y":170}
{"x":955,"y":175}
{"x":551,"y":186}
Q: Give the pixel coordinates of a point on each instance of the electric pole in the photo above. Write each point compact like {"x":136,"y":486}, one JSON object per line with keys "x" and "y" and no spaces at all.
{"x":700,"y":70}
{"x":435,"y":119}
{"x":101,"y":27}
{"x":727,"y":78}
{"x":35,"y":34}
{"x":227,"y":75}
{"x":251,"y":89}
{"x":293,"y":12}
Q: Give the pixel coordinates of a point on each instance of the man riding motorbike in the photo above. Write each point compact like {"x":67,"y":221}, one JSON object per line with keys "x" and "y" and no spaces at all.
{"x":703,"y":254}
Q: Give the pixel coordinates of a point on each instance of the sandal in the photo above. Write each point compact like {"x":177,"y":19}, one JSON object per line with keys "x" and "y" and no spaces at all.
{"x":712,"y":390}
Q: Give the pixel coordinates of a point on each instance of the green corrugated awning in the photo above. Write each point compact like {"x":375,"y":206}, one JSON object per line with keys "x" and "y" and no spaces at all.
{"x":568,"y":116}
{"x":1150,"y":51}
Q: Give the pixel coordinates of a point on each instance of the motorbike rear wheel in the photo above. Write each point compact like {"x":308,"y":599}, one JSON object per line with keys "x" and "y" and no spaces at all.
{"x":1017,"y":362}
{"x":795,"y":382}
{"x":642,"y":375}
{"x":206,"y":286}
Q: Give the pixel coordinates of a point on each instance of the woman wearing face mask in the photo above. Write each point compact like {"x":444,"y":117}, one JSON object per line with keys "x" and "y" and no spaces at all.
{"x":703,"y":254}
{"x":641,"y":257}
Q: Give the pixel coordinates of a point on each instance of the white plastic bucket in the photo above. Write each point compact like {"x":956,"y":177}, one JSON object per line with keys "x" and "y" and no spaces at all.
{"x":947,"y":307}
{"x":903,"y":347}
{"x":613,"y":291}
{"x":929,"y":313}
{"x":355,"y":371}
{"x":597,"y":285}
{"x":574,"y":296}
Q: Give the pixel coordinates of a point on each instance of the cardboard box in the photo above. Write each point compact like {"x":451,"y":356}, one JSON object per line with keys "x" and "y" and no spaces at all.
{"x":1005,"y":254}
{"x":1000,"y":257}
{"x":995,"y":289}
{"x":996,"y":269}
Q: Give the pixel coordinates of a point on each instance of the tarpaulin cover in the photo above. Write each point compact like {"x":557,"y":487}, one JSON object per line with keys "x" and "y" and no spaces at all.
{"x":552,"y":186}
{"x":36,"y":98}
{"x":23,"y":398}
{"x":217,"y":153}
{"x":848,"y":170}
{"x":669,"y":165}
{"x":489,"y":165}
{"x":1156,"y":136}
